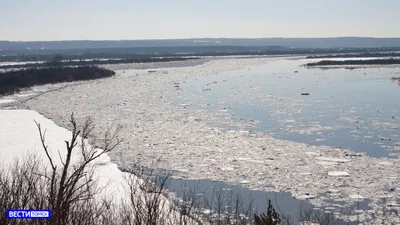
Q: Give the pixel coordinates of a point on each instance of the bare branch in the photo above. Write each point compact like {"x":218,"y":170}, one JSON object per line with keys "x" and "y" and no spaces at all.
{"x":59,"y":154}
{"x":42,"y":139}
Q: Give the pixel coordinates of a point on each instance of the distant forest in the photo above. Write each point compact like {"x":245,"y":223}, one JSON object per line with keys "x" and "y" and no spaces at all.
{"x":13,"y":81}
{"x":390,"y":61}
{"x":49,"y":61}
{"x":357,"y":55}
{"x":175,"y":52}
{"x":339,"y":42}
{"x":136,"y":50}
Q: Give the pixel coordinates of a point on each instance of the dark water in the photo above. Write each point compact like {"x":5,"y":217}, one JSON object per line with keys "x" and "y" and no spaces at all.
{"x":357,"y":109}
{"x":211,"y":194}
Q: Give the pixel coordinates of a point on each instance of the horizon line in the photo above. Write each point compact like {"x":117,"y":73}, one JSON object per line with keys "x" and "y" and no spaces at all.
{"x":194,"y":38}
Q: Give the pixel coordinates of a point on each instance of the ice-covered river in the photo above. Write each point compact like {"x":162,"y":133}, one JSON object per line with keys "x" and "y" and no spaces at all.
{"x":358,"y":109}
{"x":195,"y":121}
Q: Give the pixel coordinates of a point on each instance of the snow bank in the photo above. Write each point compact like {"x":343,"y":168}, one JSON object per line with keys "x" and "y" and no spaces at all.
{"x":20,"y":138}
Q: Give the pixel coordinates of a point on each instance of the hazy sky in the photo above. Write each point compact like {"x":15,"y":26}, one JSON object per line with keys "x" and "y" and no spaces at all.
{"x":162,"y":19}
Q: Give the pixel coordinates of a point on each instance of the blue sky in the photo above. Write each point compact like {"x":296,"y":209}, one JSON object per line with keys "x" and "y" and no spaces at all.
{"x":162,"y":19}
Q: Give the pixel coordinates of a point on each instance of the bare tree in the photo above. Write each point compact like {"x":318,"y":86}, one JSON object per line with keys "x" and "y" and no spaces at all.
{"x":70,"y":183}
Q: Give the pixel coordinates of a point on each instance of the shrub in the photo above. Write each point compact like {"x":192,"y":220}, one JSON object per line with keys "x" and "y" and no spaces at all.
{"x":272,"y":217}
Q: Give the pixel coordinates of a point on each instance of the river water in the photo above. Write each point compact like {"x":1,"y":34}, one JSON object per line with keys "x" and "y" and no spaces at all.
{"x":357,"y":109}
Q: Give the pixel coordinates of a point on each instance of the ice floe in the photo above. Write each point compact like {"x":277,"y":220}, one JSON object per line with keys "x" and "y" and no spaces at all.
{"x":332,"y":159}
{"x":338,"y":173}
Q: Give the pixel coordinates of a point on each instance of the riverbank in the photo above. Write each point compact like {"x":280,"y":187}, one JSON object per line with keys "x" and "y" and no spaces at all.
{"x":182,"y":140}
{"x":356,"y":62}
{"x":13,"y":81}
{"x":93,"y":62}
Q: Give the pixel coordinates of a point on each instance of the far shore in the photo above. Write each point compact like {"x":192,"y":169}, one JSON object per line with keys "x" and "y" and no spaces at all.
{"x":361,"y":62}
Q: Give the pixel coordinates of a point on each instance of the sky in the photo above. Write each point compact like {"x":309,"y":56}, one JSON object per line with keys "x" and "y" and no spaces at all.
{"x":45,"y":20}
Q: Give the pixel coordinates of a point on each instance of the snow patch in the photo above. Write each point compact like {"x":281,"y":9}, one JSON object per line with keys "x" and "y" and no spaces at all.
{"x":25,"y":95}
{"x":384,"y":163}
{"x":6,"y":100}
{"x":19,"y":137}
{"x":227,"y":169}
{"x":356,"y":196}
{"x":326,"y":163}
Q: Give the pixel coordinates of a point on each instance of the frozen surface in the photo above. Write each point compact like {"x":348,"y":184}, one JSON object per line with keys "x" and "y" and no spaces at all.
{"x":331,"y":159}
{"x":6,"y":100}
{"x":157,"y":65}
{"x":185,"y":140}
{"x":339,"y":174}
{"x":18,"y":99}
{"x":18,"y":63}
{"x":20,"y":138}
{"x":25,"y":95}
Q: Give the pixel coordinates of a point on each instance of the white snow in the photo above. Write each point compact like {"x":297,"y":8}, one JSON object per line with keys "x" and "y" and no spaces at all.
{"x":227,"y":168}
{"x":25,"y":95}
{"x":18,"y":63}
{"x":326,"y":163}
{"x":6,"y":100}
{"x":356,"y":196}
{"x":385,"y":163}
{"x":19,"y":137}
{"x":39,"y":89}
